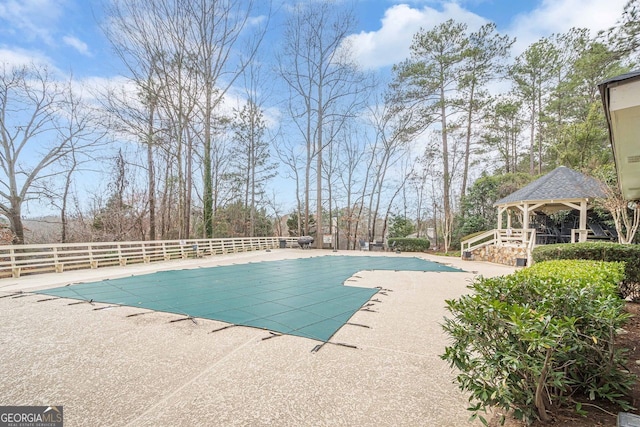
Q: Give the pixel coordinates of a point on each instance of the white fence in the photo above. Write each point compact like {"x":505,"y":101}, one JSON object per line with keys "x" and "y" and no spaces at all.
{"x":17,"y":260}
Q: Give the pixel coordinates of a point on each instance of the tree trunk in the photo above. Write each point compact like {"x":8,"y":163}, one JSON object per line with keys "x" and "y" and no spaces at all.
{"x":307,"y":185}
{"x":445,"y":165}
{"x":206,"y":165}
{"x":319,"y":221}
{"x":151,"y":176}
{"x":465,"y":172}
{"x":378,"y":191}
{"x":15,"y":219}
{"x":65,"y":197}
{"x":63,"y":214}
{"x":532,"y":141}
{"x":539,"y":134}
{"x":188,"y":183}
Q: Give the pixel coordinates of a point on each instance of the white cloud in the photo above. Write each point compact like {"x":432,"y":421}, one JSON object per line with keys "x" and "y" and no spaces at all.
{"x":19,"y":57}
{"x":104,"y":84}
{"x":77,"y":44}
{"x":559,"y":16}
{"x":32,"y":19}
{"x":390,"y":44}
{"x":256,"y":21}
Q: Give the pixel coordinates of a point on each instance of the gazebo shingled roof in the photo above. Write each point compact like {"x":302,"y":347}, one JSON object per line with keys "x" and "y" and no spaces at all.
{"x":561,"y":188}
{"x":560,"y":184}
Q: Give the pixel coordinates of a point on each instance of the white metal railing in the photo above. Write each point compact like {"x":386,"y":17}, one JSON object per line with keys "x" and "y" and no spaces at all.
{"x":17,"y":260}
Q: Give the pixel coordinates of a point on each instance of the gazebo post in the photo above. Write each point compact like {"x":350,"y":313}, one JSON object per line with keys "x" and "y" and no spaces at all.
{"x":502,"y":210}
{"x":525,"y":223}
{"x":583,"y":221}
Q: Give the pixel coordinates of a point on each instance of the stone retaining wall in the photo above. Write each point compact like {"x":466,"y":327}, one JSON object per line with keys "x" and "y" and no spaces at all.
{"x":506,"y":255}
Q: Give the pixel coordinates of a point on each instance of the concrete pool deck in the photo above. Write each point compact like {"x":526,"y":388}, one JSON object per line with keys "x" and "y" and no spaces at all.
{"x":107,"y":368}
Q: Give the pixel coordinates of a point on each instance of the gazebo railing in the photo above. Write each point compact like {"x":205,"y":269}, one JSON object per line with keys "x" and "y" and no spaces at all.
{"x":487,"y":238}
{"x":518,"y":237}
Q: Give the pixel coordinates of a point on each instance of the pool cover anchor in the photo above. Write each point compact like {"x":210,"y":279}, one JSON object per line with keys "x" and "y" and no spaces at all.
{"x":368,"y":309}
{"x":47,"y":299}
{"x":139,"y":314}
{"x":106,"y":307}
{"x":184,"y":318}
{"x":81,"y":302}
{"x":222,"y":328}
{"x":341,"y":344}
{"x":12,"y":295}
{"x":358,"y":324}
{"x":273,"y":335}
{"x":21,"y":295}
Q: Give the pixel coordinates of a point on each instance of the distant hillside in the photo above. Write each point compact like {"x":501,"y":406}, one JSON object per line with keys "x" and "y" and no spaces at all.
{"x":45,"y":229}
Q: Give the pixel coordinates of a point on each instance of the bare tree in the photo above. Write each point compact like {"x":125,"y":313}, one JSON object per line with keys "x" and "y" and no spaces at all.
{"x":184,"y":56}
{"x":418,"y":183}
{"x":218,"y":28}
{"x":351,"y":156}
{"x":325,"y":85}
{"x":291,"y":157}
{"x":250,"y":158}
{"x":625,"y":213}
{"x":119,"y":213}
{"x":82,"y":130}
{"x":131,"y":33}
{"x":132,"y":115}
{"x":250,"y":153}
{"x":390,"y":123}
{"x":399,"y":187}
{"x":31,"y":141}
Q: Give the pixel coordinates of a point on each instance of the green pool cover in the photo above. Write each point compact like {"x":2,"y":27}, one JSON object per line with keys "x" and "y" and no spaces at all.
{"x":303,"y":297}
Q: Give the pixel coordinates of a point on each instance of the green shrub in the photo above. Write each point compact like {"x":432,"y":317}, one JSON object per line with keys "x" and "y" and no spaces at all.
{"x":580,"y":273}
{"x":599,"y":251}
{"x":407,"y":244}
{"x":540,"y":338}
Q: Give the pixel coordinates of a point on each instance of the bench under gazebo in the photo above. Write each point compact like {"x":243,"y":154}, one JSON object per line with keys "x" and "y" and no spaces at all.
{"x":560,"y":190}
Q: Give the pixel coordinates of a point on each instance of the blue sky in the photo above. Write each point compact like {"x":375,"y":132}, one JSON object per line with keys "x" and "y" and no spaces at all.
{"x":66,"y":35}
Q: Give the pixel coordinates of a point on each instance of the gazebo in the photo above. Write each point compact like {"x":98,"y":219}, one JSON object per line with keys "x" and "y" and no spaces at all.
{"x":560,"y":189}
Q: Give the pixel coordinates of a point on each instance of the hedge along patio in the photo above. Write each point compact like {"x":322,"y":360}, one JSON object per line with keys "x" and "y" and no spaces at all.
{"x":301,"y":297}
